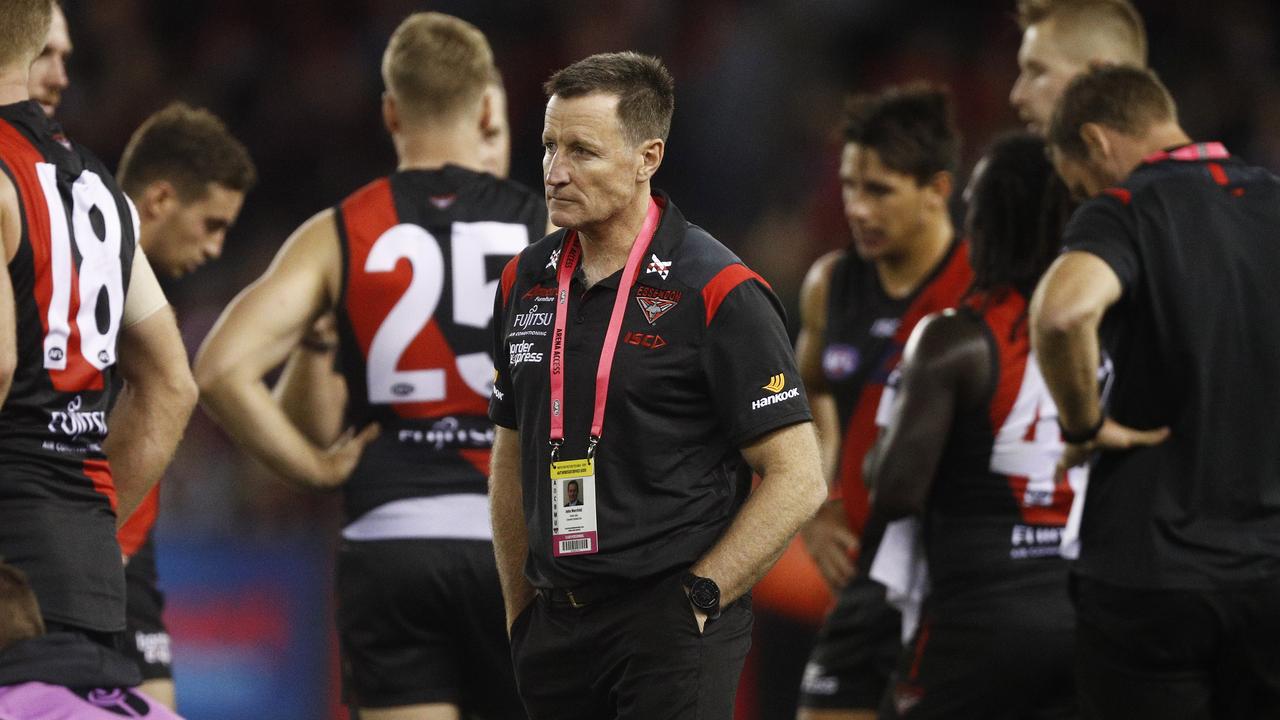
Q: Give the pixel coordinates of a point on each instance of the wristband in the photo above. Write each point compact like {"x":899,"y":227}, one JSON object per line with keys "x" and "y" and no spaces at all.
{"x":1084,"y":436}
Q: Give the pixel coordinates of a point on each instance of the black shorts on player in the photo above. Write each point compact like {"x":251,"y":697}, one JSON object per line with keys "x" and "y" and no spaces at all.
{"x":422,"y":621}
{"x":146,"y":638}
{"x":856,"y":650}
{"x":994,"y":669}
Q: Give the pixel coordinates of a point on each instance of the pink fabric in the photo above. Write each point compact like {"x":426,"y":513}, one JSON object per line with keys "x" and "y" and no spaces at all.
{"x":39,"y":701}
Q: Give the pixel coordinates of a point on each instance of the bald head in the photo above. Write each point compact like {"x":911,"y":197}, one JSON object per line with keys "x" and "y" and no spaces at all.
{"x":1063,"y":38}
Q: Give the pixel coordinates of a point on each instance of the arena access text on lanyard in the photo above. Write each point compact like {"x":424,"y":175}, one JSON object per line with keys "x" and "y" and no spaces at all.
{"x":573,"y":497}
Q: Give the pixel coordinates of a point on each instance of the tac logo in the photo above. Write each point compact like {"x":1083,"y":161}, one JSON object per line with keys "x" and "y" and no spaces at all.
{"x":661,"y":267}
{"x":73,"y":422}
{"x":775,"y":386}
{"x":654,"y":302}
{"x":639,"y":339}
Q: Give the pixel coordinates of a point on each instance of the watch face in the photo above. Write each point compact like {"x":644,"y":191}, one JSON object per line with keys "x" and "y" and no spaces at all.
{"x":705,"y":594}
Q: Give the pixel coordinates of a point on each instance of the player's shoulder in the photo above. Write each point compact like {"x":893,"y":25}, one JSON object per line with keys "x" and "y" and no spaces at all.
{"x":477,"y":195}
{"x":93,"y":162}
{"x":817,"y":280}
{"x":506,"y":188}
{"x":377,"y":190}
{"x":938,"y":331}
{"x":955,"y":340}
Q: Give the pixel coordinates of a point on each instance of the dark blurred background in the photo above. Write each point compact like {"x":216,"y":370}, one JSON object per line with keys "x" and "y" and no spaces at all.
{"x":752,"y":157}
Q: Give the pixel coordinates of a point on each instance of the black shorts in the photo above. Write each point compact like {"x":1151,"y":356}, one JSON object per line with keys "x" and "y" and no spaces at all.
{"x":856,"y":651}
{"x":146,"y":638}
{"x":1000,"y":669}
{"x":1164,"y":653}
{"x":422,"y":621}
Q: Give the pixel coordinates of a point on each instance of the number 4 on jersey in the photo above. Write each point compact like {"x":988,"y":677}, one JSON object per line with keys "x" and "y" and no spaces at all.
{"x":472,"y":304}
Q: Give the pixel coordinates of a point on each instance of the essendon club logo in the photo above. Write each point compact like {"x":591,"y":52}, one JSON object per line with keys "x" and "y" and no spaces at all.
{"x":654,"y":302}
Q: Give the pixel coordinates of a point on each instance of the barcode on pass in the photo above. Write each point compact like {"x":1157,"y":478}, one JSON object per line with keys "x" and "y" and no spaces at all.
{"x":567,"y":546}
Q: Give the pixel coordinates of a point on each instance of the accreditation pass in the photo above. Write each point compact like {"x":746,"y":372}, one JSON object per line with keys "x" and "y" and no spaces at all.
{"x":573,"y":508}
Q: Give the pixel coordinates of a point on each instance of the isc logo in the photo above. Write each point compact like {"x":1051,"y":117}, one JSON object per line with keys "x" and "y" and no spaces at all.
{"x":643,"y":340}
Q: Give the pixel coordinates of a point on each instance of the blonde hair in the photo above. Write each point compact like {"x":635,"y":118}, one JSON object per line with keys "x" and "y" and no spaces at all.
{"x":24,"y":28}
{"x":1115,"y":21}
{"x":436,"y":65}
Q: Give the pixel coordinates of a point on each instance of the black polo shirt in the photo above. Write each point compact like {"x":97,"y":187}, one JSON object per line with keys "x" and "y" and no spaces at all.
{"x":703,"y":366}
{"x":1194,"y":237}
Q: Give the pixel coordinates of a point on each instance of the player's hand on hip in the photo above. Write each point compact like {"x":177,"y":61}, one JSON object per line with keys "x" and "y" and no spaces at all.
{"x":339,"y":460}
{"x":323,"y":333}
{"x":1112,"y":436}
{"x":831,"y":544}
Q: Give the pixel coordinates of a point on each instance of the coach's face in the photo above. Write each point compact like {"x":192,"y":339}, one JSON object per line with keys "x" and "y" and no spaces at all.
{"x":1046,"y":66}
{"x":589,"y":169}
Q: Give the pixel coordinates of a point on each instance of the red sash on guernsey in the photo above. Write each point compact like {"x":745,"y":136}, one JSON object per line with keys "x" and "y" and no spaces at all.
{"x":943,"y":292}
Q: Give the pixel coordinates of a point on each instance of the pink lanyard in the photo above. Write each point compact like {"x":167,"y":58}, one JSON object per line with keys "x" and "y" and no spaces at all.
{"x":570,"y":257}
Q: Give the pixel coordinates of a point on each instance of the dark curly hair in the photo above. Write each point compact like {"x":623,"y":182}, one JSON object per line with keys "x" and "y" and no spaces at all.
{"x":911,"y":128}
{"x":1017,"y":209}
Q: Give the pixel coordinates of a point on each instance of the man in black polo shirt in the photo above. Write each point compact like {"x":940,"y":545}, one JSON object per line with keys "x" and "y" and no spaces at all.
{"x":640,"y":360}
{"x":1175,"y":260}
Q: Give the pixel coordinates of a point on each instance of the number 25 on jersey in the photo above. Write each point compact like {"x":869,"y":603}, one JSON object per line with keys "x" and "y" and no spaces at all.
{"x":472,"y":301}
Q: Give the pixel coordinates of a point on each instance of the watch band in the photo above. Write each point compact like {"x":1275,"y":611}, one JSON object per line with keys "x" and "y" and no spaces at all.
{"x":1084,"y":436}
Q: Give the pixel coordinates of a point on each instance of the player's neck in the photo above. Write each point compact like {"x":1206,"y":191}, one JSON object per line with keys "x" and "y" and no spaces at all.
{"x":901,"y":274}
{"x":433,"y":150}
{"x":13,"y":87}
{"x":605,"y":246}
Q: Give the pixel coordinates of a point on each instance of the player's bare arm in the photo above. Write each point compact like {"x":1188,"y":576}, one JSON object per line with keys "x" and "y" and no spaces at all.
{"x":1066,"y":311}
{"x":255,"y":334}
{"x":312,"y":393}
{"x":826,"y":536}
{"x":158,"y":394}
{"x":11,"y":233}
{"x":791,"y":489}
{"x":813,"y":326}
{"x":946,"y":366}
{"x":506,"y":508}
